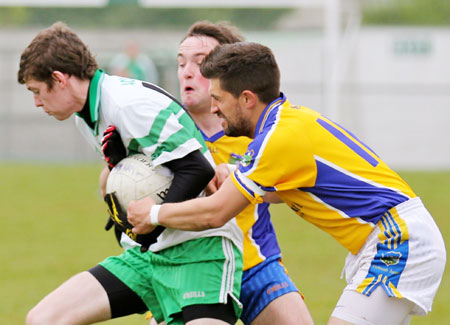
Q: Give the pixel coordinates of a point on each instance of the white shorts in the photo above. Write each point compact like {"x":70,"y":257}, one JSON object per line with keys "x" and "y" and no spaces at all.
{"x":404,"y":255}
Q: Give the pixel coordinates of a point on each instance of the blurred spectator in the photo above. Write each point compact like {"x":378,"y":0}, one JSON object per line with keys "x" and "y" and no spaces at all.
{"x":132,"y":63}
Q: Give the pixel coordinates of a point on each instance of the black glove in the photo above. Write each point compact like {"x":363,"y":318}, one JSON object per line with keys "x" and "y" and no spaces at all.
{"x":112,"y":146}
{"x":117,"y":217}
{"x":121,"y":225}
{"x":117,"y":231}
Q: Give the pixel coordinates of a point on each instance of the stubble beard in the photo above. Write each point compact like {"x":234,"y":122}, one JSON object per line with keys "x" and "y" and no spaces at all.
{"x":239,"y":129}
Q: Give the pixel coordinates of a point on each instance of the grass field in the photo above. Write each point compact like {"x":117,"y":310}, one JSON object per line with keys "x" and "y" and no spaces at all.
{"x":52,"y":220}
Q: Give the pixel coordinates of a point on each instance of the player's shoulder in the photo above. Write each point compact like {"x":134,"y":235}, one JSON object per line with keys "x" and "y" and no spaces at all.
{"x":125,"y":92}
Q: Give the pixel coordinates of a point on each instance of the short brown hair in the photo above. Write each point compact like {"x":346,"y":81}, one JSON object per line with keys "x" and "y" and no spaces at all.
{"x":56,"y":48}
{"x":222,"y":31}
{"x":244,"y":66}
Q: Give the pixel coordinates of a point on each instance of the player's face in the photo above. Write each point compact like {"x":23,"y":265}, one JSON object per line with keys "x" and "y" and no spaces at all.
{"x":235,"y":118}
{"x":55,"y":102}
{"x":193,"y":86}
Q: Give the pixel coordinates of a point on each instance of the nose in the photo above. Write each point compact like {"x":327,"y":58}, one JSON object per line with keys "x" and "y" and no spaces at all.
{"x":188,"y":70}
{"x":214,"y":106}
{"x":37,"y":101}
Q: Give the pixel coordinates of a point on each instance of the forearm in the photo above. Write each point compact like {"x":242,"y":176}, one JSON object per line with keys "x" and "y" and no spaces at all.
{"x":203,"y":213}
{"x":102,"y":180}
{"x":196,"y":214}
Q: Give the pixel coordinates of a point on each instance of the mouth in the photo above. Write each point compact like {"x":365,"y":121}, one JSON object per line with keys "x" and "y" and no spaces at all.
{"x":188,"y":89}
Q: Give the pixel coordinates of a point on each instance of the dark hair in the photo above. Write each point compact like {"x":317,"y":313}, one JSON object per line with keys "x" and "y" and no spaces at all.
{"x":56,"y":48}
{"x":244,"y":66}
{"x":222,"y":31}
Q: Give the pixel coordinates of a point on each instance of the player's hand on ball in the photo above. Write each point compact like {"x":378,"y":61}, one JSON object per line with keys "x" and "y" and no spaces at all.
{"x":138,"y":215}
{"x":112,"y":146}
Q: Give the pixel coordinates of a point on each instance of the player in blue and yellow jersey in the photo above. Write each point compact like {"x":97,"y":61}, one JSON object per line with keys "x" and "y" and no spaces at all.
{"x":328,"y":177}
{"x":268,"y":294}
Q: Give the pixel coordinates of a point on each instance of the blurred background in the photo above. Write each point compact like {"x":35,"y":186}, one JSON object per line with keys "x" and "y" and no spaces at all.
{"x":378,"y":67}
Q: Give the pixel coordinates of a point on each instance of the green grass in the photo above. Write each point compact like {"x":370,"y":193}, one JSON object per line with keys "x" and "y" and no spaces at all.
{"x":52,"y":228}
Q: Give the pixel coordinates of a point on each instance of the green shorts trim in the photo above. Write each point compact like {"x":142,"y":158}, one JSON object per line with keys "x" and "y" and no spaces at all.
{"x":207,"y":270}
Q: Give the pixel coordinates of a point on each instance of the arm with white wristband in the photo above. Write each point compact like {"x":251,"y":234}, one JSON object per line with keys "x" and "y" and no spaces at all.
{"x":154,"y":211}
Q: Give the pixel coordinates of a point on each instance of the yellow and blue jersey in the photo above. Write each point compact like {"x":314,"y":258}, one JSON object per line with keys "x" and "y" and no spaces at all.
{"x":321,"y":170}
{"x":260,"y":240}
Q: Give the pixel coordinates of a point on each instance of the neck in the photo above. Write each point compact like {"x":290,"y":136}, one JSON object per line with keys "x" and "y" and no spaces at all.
{"x":80,"y":90}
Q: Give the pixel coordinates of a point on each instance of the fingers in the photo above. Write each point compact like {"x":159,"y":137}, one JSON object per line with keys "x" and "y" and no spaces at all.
{"x":212,"y":187}
{"x":138,"y":214}
{"x":222,"y":173}
{"x":112,"y":146}
{"x":107,"y":134}
{"x":109,"y":129}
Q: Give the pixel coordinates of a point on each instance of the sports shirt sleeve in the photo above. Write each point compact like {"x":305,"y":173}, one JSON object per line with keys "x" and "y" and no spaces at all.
{"x":191,"y":175}
{"x":161,"y":134}
{"x":271,"y":162}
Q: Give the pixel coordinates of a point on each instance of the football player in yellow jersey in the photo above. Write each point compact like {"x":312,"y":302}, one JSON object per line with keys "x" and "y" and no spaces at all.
{"x":268,"y":294}
{"x":328,"y":177}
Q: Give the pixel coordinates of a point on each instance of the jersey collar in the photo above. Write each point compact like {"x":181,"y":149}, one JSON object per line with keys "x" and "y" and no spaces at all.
{"x":265,"y":114}
{"x":94,"y":98}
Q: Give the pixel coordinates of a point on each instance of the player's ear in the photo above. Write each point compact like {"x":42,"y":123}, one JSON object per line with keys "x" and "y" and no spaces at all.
{"x":59,"y":78}
{"x":248,"y":98}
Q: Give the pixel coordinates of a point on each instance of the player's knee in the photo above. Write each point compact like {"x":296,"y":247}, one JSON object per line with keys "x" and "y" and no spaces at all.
{"x":35,"y":316}
{"x":39,"y":315}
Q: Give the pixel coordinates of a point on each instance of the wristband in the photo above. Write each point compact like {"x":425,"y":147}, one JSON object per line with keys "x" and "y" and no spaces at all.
{"x":154,"y":214}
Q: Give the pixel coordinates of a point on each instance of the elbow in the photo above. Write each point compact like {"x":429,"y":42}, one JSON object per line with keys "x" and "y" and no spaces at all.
{"x":215,"y":220}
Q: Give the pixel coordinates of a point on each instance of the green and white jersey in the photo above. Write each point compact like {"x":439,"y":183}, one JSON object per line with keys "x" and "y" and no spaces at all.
{"x":152,"y":122}
{"x":147,"y":118}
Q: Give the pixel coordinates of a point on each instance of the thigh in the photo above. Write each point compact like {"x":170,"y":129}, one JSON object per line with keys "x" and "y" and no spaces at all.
{"x":288,"y":309}
{"x":122,"y":300}
{"x":263,"y":284}
{"x":135,"y":270}
{"x":376,"y":309}
{"x":81,"y":299}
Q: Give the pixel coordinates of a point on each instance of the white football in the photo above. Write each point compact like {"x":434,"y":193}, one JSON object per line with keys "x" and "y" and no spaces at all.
{"x":134,"y":178}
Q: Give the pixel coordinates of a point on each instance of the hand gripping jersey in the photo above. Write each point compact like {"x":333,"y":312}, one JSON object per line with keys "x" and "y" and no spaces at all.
{"x":260,"y":241}
{"x":149,"y":121}
{"x":322,"y":171}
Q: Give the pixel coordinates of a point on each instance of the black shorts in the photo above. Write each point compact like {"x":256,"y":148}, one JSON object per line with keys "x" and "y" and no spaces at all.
{"x":122,"y":300}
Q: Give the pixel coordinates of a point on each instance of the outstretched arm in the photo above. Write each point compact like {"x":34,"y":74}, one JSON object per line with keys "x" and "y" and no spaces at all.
{"x":196,"y":214}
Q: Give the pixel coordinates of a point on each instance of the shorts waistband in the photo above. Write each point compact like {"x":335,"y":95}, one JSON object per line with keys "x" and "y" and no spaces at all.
{"x":407,"y":205}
